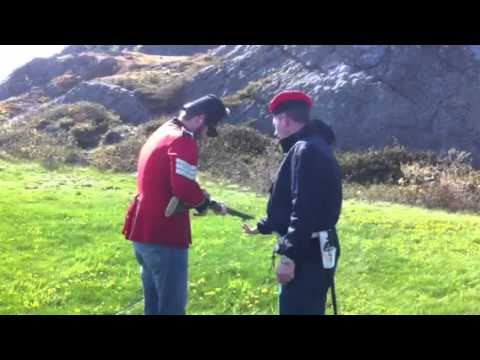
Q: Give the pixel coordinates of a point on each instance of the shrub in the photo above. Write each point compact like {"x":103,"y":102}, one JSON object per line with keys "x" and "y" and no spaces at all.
{"x":31,"y":144}
{"x":88,"y":136}
{"x":84,"y":123}
{"x":452,"y":184}
{"x":120,"y":157}
{"x":241,"y":155}
{"x":376,"y":166}
{"x":247,"y":94}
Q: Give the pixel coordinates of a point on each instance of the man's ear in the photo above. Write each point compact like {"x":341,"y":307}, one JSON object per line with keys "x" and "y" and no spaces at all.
{"x":201,"y":119}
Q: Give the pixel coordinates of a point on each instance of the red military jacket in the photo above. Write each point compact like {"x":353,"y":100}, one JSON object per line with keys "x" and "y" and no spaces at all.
{"x":167,"y":167}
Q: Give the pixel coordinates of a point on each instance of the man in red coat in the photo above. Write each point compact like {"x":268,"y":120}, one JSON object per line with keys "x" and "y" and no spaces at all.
{"x":167,"y":167}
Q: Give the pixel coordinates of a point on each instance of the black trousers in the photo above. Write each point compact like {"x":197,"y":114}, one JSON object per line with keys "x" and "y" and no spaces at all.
{"x":306,"y":294}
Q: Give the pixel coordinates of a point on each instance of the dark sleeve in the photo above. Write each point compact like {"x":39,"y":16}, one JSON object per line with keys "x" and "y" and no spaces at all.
{"x":263,"y":227}
{"x":204,"y":206}
{"x":303,"y":182}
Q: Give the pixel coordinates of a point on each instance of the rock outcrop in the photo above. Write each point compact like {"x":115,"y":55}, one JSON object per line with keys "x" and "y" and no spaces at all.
{"x":57,"y":74}
{"x":426,"y":97}
{"x":116,"y":98}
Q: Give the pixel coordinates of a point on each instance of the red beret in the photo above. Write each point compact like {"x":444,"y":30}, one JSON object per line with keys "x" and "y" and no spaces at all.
{"x":292,"y":95}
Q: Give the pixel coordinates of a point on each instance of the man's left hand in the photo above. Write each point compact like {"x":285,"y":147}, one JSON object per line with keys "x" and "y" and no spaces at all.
{"x":222,"y":211}
{"x":249,"y":229}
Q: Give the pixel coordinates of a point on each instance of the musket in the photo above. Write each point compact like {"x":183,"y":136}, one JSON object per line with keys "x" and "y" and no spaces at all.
{"x":177,"y":206}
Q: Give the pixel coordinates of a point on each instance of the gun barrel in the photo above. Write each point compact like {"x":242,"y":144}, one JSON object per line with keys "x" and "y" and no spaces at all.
{"x":216,"y":206}
{"x":176,"y":206}
{"x":239,"y":214}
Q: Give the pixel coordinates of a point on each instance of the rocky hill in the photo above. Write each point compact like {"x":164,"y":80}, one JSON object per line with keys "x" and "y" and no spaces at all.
{"x":425,"y":97}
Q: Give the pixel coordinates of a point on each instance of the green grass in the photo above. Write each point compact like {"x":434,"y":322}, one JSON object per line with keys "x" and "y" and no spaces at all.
{"x":61,"y":252}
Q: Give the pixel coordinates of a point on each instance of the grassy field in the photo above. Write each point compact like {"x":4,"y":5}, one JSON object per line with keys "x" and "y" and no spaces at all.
{"x":61,"y":252}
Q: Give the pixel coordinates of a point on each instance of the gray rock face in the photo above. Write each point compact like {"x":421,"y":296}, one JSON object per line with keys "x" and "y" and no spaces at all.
{"x":426,"y":97}
{"x":174,"y":50}
{"x":114,"y":97}
{"x":39,"y":72}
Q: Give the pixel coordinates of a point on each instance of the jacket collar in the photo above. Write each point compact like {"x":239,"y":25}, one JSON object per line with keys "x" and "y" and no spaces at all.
{"x":289,"y":141}
{"x":178,"y":123}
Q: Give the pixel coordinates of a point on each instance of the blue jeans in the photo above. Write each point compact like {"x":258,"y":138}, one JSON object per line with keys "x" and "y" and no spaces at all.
{"x":307,"y":292}
{"x":164,"y":277}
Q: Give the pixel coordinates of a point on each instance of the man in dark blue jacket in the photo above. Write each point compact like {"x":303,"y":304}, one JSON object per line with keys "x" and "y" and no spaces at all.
{"x":304,"y":206}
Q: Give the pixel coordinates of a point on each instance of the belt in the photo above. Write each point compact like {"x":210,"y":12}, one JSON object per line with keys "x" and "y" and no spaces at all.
{"x":316,"y":234}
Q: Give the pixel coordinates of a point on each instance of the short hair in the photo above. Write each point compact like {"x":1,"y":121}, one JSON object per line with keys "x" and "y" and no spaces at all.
{"x":299,"y":114}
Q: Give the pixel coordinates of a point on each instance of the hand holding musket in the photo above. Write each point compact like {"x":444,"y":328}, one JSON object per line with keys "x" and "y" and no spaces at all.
{"x":177,"y":206}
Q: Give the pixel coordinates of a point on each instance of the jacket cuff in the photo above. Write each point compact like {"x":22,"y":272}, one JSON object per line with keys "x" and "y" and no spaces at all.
{"x":285,"y":248}
{"x":203,"y":206}
{"x":263,"y":227}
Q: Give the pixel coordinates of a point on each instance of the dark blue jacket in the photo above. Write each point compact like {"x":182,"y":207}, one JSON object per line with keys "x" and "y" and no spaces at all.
{"x":306,"y":197}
